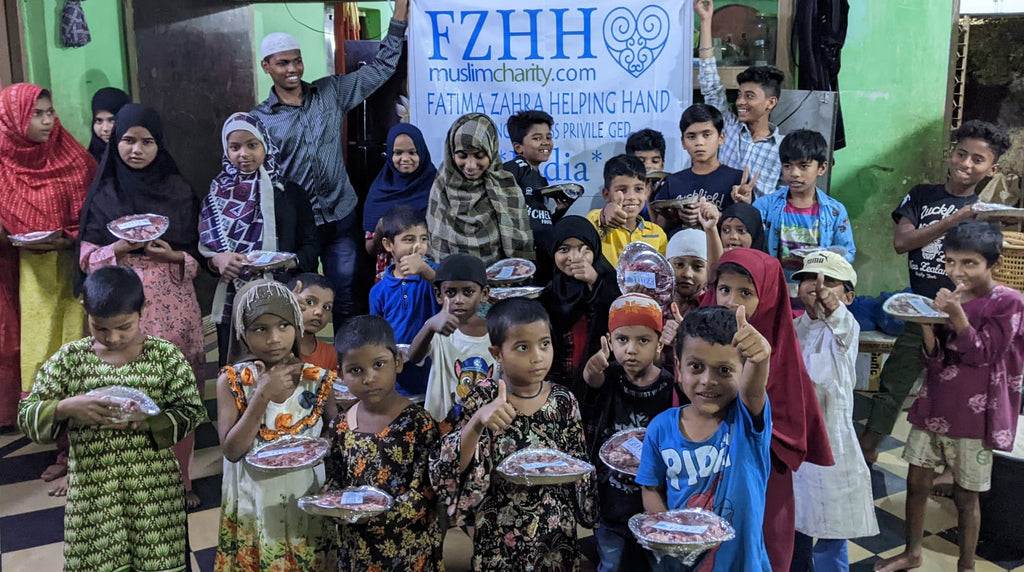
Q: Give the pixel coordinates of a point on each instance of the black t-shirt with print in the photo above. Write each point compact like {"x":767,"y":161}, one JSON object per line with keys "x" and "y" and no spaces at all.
{"x":926,"y":205}
{"x":541,"y":222}
{"x":623,"y":405}
{"x":715,"y":186}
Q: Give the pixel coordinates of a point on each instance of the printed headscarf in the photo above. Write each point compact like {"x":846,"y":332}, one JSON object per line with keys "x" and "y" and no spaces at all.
{"x":485,"y":217}
{"x":253,"y":300}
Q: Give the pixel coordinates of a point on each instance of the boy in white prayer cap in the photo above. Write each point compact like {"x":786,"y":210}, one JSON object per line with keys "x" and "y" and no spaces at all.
{"x":687,"y":251}
{"x":305,"y":120}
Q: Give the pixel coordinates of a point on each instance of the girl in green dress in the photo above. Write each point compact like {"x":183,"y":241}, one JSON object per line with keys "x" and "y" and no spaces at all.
{"x":126,"y":503}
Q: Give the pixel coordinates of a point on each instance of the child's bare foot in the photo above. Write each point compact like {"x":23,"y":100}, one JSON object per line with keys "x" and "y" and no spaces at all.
{"x":192,"y":500}
{"x":59,"y":488}
{"x":869,"y":441}
{"x":54,"y":471}
{"x":942,"y":485}
{"x":904,"y":561}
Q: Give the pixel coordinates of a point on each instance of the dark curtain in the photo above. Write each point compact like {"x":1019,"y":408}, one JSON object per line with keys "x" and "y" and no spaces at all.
{"x":819,"y":30}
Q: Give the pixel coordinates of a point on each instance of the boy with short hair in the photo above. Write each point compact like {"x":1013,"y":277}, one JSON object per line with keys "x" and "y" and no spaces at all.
{"x":316,"y":299}
{"x":707,"y":178}
{"x":833,"y":503}
{"x":530,"y":132}
{"x":971,"y":397}
{"x":405,"y":294}
{"x":628,"y":391}
{"x":922,"y":219}
{"x":456,"y":337}
{"x":649,"y":146}
{"x":620,"y":221}
{"x":714,"y":453}
{"x":801,"y":215}
{"x":751,"y":141}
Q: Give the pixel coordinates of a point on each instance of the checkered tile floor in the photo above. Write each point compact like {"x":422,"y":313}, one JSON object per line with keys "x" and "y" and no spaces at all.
{"x":31,"y":523}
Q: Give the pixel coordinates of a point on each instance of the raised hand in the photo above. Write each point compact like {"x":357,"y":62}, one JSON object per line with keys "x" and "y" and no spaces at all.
{"x":949,"y":302}
{"x":612,"y":215}
{"x":744,"y":192}
{"x":708,"y":215}
{"x":668,"y":331}
{"x":583,"y":271}
{"x":444,"y":322}
{"x":751,"y":344}
{"x":413,"y":263}
{"x":599,"y":361}
{"x":704,"y":8}
{"x":498,"y":414}
{"x":826,"y":298}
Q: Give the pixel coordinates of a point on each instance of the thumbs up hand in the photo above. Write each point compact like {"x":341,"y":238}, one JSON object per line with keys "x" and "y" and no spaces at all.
{"x":952,"y":304}
{"x":413,"y":263}
{"x":444,"y":322}
{"x":498,"y":414}
{"x":599,"y":361}
{"x":751,"y":344}
{"x":827,"y":298}
{"x":668,"y":332}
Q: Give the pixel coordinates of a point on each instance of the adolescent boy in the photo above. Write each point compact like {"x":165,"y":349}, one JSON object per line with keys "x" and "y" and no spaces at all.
{"x":971,"y":397}
{"x":649,"y":145}
{"x":316,"y":299}
{"x":405,"y":294}
{"x":926,"y":214}
{"x":126,"y":504}
{"x":833,"y":503}
{"x":801,"y":215}
{"x":751,"y":141}
{"x":620,"y":221}
{"x":628,"y":391}
{"x":714,"y":453}
{"x":707,"y":178}
{"x":530,"y":132}
{"x":456,"y":337}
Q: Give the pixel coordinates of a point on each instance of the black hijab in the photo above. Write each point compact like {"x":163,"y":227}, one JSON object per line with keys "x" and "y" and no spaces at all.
{"x":109,"y":99}
{"x":751,"y":218}
{"x":566,"y":298}
{"x":159,"y":188}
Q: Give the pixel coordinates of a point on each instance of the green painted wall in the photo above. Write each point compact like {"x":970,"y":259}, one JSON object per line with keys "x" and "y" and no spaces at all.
{"x":74,"y":74}
{"x":893,"y":93}
{"x":297,"y":20}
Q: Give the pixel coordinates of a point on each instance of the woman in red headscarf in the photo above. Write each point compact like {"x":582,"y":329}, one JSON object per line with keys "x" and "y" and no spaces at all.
{"x":753,"y":279}
{"x":44,"y":175}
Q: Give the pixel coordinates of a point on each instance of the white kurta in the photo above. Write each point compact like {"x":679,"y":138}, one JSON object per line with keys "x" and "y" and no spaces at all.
{"x":836,"y":501}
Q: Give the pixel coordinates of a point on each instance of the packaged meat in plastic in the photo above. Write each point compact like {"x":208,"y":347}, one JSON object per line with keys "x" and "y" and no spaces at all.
{"x":343,"y":395}
{"x":498,"y":294}
{"x":133,"y":404}
{"x":139,"y":227}
{"x":350,"y":505}
{"x":510,"y":271}
{"x":621,"y":452}
{"x":543,"y":466}
{"x":289,"y":453}
{"x":266,"y":260}
{"x":34,"y":237}
{"x":684,"y":534}
{"x":914,"y":308}
{"x":644,"y":270}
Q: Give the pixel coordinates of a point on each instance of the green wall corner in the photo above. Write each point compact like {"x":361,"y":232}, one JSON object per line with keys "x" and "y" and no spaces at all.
{"x":74,"y":74}
{"x":305,"y":21}
{"x":893,"y":93}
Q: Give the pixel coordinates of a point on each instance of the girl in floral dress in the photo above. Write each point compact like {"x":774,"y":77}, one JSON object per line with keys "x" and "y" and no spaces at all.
{"x":384,"y":441}
{"x":269,"y":394}
{"x":516,"y":527}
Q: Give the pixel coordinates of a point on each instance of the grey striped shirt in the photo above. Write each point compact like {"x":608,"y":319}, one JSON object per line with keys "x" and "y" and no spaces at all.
{"x":309,"y":136}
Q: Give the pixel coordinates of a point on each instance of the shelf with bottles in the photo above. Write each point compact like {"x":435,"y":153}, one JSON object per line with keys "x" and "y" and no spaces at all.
{"x":750,"y":32}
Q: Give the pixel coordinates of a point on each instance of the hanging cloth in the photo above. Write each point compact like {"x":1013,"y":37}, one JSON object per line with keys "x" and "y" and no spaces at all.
{"x":819,"y":29}
{"x":74,"y":32}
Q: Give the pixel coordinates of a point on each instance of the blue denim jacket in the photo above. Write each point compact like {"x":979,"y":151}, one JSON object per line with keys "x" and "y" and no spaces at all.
{"x":834,"y":225}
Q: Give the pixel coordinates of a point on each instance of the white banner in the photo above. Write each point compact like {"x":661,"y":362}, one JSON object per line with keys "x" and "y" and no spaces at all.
{"x":603,"y":69}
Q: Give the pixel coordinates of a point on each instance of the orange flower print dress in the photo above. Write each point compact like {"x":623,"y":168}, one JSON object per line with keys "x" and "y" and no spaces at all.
{"x":261,"y":525}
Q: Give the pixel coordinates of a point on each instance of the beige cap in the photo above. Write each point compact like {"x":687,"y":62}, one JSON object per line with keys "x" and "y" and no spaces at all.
{"x":829,"y":263}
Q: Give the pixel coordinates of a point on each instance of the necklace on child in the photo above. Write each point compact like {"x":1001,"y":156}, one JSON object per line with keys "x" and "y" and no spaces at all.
{"x":540,"y":388}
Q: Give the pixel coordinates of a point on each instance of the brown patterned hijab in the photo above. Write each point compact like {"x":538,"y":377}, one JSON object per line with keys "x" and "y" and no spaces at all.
{"x":485,"y":217}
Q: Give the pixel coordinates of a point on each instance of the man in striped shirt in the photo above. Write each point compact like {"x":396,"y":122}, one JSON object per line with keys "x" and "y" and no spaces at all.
{"x":305,"y":120}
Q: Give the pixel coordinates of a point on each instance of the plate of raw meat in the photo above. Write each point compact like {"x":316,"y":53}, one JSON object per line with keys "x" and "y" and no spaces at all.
{"x":621,"y":452}
{"x":543,"y":466}
{"x":139,"y":227}
{"x":288,"y":454}
{"x":350,"y":504}
{"x":684,"y":533}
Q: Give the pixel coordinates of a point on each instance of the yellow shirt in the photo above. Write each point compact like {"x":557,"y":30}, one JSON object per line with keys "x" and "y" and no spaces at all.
{"x":614,"y":240}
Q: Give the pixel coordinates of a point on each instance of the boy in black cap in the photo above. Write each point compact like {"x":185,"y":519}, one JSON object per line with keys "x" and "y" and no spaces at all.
{"x":461,"y":353}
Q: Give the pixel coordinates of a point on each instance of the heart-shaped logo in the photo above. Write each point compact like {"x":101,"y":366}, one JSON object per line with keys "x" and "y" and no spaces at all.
{"x":636,"y":40}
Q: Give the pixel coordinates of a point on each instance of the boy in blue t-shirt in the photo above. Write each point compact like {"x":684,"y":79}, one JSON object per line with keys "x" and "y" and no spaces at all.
{"x":714,"y":453}
{"x":405,"y":295}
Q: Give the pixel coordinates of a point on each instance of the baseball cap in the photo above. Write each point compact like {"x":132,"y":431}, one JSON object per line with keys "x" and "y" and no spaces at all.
{"x":829,"y":263}
{"x":461,"y":267}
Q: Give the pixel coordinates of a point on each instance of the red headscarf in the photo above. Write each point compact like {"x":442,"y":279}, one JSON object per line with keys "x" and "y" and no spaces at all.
{"x":798,"y":430}
{"x":42,"y":185}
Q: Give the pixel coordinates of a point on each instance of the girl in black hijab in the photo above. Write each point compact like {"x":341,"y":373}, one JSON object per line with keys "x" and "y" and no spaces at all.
{"x":105,"y":105}
{"x":582,"y":289}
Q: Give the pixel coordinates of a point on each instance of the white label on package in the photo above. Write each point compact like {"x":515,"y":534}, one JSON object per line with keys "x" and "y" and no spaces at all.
{"x":134,"y":224}
{"x":264,"y":259}
{"x":634,"y":446}
{"x":351,"y":498}
{"x":645,"y":279}
{"x":535,"y":466}
{"x":506,"y":272}
{"x":922,"y":306}
{"x":687,"y":528}
{"x":278,"y":452}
